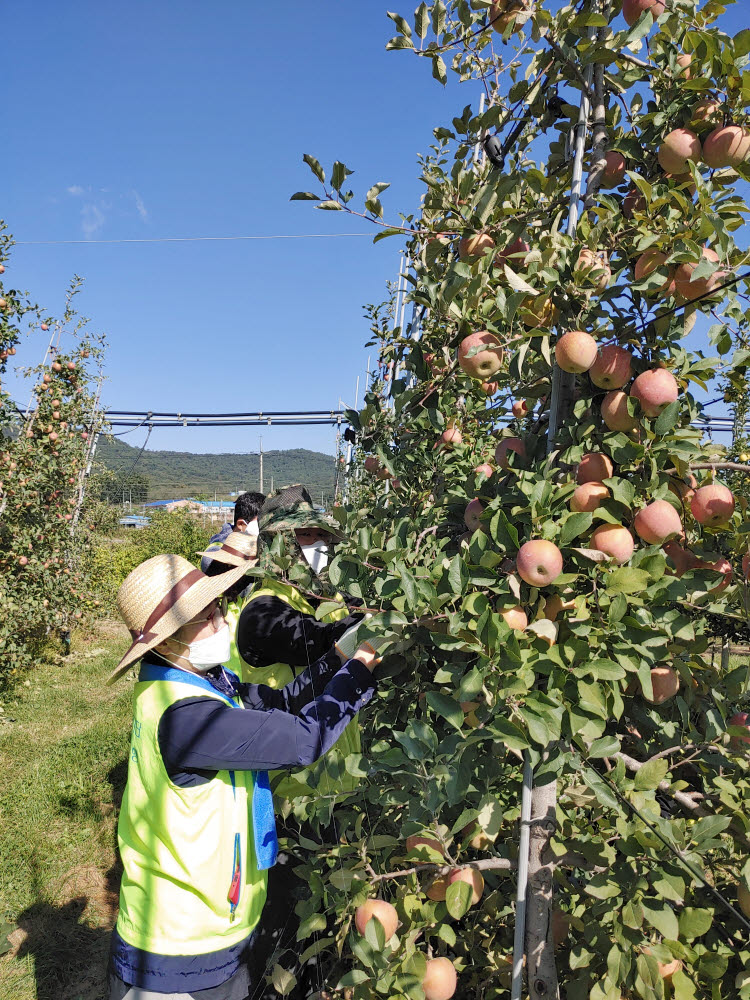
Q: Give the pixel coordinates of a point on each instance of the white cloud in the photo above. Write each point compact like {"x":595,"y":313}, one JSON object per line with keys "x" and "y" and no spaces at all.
{"x":142,"y":210}
{"x":92,"y":220}
{"x":76,"y":190}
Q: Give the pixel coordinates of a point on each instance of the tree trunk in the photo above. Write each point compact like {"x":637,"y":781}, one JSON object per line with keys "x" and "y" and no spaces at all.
{"x":540,"y":947}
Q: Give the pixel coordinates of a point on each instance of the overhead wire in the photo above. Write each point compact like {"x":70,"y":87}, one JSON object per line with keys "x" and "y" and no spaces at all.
{"x":191,"y":239}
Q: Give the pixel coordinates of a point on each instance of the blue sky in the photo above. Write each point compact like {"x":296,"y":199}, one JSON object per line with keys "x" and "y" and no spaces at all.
{"x":163,"y":119}
{"x":190,"y":119}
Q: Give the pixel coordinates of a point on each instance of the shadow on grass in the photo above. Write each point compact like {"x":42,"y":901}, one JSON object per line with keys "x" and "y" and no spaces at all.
{"x":70,"y":942}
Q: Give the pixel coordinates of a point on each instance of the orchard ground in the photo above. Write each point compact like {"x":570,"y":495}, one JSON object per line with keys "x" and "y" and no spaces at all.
{"x":64,"y":740}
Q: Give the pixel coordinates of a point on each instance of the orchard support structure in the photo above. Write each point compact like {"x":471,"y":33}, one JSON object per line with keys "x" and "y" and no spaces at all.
{"x":533,"y":931}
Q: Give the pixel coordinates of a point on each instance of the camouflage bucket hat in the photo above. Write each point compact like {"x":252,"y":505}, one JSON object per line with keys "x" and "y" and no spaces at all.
{"x":292,"y":508}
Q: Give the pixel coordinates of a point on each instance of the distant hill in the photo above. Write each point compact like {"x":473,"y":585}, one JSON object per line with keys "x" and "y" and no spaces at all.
{"x":175,"y":474}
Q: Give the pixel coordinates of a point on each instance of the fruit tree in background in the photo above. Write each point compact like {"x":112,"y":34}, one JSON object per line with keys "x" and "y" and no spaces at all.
{"x":555,"y":598}
{"x":47,"y":529}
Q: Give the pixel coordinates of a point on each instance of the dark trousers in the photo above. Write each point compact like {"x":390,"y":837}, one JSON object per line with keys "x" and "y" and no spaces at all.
{"x":275,"y":937}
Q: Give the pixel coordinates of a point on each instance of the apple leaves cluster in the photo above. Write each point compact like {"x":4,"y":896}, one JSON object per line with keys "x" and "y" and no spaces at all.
{"x":652,"y":785}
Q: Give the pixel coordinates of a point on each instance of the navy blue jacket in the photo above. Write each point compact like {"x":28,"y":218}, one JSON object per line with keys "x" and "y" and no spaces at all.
{"x":198,"y":736}
{"x":220,"y":536}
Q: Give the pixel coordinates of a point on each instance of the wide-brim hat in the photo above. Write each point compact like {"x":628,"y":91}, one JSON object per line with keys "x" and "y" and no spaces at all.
{"x":237,"y":549}
{"x":160,"y":596}
{"x":292,"y":508}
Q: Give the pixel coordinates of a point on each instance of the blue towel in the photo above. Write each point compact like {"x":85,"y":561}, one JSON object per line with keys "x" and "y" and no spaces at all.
{"x":264,"y":822}
{"x":225,"y":683}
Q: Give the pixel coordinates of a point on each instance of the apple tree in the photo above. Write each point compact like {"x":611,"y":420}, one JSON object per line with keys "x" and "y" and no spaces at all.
{"x":541,"y":528}
{"x":48,"y":581}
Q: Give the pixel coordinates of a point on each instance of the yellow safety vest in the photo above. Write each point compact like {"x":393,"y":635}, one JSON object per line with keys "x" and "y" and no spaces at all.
{"x":183,"y":849}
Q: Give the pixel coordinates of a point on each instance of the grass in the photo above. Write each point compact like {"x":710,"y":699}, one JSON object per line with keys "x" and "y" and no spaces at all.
{"x":64,"y":740}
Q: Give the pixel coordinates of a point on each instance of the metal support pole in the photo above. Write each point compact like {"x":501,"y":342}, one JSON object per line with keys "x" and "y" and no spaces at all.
{"x":557,"y":395}
{"x":523,"y":876}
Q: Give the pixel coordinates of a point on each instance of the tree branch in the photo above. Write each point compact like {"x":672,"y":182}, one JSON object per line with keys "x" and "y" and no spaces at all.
{"x":736,"y":466}
{"x":686,"y":799}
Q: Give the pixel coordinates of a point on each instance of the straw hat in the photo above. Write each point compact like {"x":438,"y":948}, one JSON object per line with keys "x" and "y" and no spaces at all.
{"x":237,"y":549}
{"x":160,"y":596}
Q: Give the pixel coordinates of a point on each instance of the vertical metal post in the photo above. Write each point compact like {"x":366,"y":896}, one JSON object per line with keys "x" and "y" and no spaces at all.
{"x":260,"y":449}
{"x":557,"y":396}
{"x":523,"y":877}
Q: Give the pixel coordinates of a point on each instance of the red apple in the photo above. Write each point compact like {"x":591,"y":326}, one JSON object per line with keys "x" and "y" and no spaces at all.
{"x":692,"y":290}
{"x":382,"y":911}
{"x":593,"y":468}
{"x":612,"y":368}
{"x":483,"y":363}
{"x":614,"y":171}
{"x":506,"y":445}
{"x":472,"y":514}
{"x":654,"y":390}
{"x":614,"y":540}
{"x":632,"y":9}
{"x":575,"y":351}
{"x":588,"y":497}
{"x":657,"y":522}
{"x":539,"y":562}
{"x":615,"y":412}
{"x":712,"y":504}
{"x":665,"y":683}
{"x":728,"y":146}
{"x":678,"y":148}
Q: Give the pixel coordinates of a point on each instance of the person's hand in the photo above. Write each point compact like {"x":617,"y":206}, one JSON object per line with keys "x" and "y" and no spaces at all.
{"x":368,"y":656}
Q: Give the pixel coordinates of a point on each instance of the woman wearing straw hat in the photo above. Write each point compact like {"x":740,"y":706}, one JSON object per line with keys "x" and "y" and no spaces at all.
{"x":196,"y":829}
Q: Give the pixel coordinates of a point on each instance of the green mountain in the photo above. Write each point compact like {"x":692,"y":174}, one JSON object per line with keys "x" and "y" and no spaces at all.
{"x":171,"y":475}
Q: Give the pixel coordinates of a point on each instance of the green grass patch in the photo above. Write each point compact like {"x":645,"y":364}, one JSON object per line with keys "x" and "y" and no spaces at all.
{"x":64,"y":740}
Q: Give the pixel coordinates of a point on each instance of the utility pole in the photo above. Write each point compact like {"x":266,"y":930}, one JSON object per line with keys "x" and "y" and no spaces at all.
{"x":260,"y":448}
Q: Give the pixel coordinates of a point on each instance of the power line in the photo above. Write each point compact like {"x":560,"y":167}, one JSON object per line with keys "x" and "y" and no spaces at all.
{"x":190,"y":239}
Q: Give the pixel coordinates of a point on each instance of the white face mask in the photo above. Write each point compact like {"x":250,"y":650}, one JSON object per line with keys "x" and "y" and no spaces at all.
{"x":316,"y":555}
{"x":211,"y":651}
{"x":252,"y":527}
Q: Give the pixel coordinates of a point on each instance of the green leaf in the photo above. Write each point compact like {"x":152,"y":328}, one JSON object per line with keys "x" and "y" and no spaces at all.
{"x":458,"y":898}
{"x":446,"y":933}
{"x":401,"y":23}
{"x":421,"y":20}
{"x":708,"y":828}
{"x":503,"y":532}
{"x":649,"y":776}
{"x":627,"y":580}
{"x":330,"y":206}
{"x":573,"y":526}
{"x":352,"y":978}
{"x":603,"y":792}
{"x":604,"y":747}
{"x":315,"y":922}
{"x":328,"y":608}
{"x":446,"y":707}
{"x":439,"y":71}
{"x":399,"y":42}
{"x":662,"y":918}
{"x":508,"y":733}
{"x":600,"y":669}
{"x":376,"y":190}
{"x":667,"y":419}
{"x":283,"y":980}
{"x":304,"y":196}
{"x":695,"y":923}
{"x":315,"y":167}
{"x":339,"y":174}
